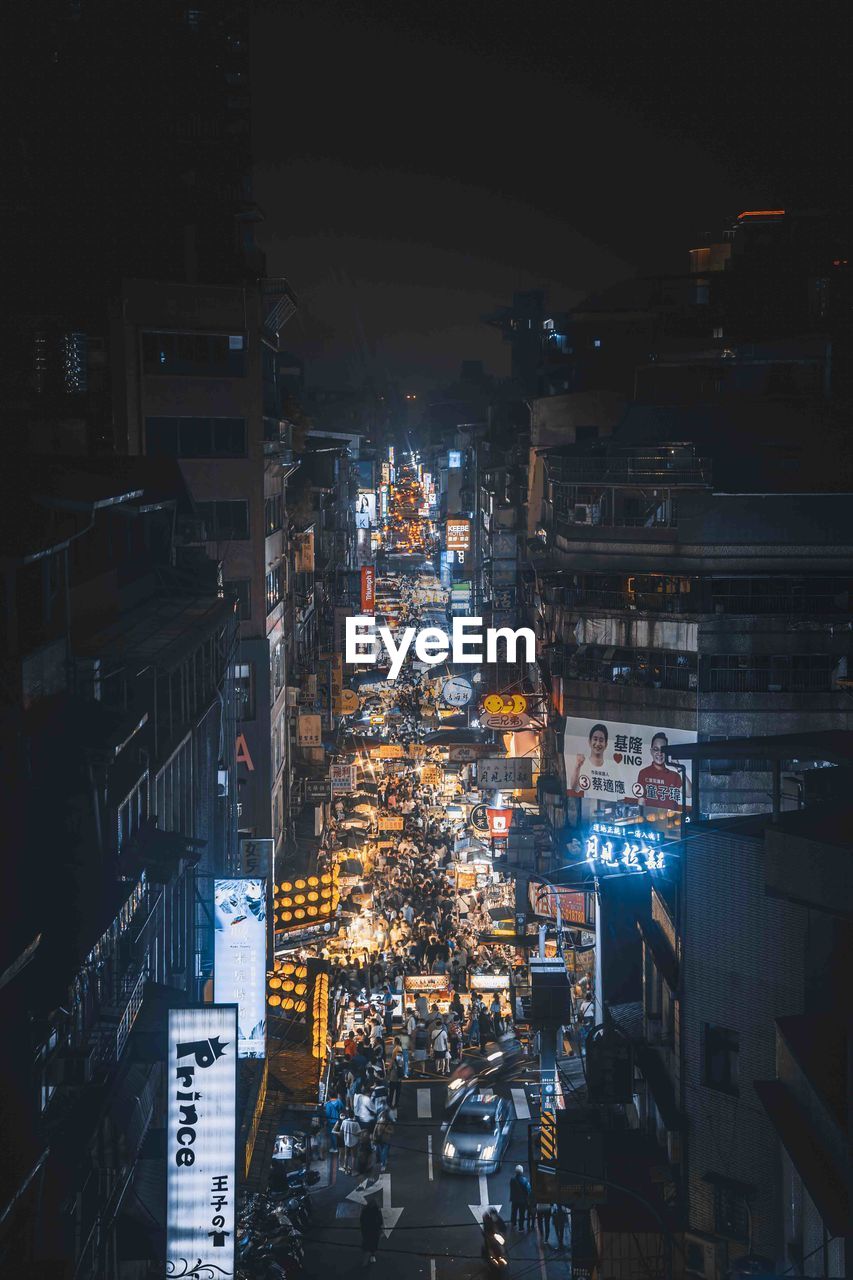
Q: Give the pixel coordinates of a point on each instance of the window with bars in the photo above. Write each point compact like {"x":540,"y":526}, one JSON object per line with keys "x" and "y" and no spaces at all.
{"x":274,"y":587}
{"x":244,"y":690}
{"x":272,"y":513}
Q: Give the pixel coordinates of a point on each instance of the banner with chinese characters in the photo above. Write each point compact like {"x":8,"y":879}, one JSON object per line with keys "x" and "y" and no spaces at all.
{"x":606,"y":760}
{"x":201,"y":1140}
{"x":368,"y":588}
{"x":624,"y":846}
{"x":505,"y":772}
{"x":309,"y":731}
{"x":342,"y":779}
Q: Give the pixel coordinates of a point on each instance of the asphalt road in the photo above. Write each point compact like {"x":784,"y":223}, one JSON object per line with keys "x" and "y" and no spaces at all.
{"x":431,"y":1230}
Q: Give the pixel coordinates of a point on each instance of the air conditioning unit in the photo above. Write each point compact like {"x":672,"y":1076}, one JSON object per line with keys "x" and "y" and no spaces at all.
{"x":582,"y":514}
{"x":221,"y":783}
{"x":701,"y":1257}
{"x":292,"y":696}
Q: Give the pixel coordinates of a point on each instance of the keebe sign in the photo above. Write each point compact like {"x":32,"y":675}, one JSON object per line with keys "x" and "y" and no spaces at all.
{"x":201,"y":1140}
{"x":467,"y":642}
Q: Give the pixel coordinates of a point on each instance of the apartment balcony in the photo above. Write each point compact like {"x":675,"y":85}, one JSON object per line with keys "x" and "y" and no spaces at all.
{"x":663,"y":468}
{"x":280,"y":303}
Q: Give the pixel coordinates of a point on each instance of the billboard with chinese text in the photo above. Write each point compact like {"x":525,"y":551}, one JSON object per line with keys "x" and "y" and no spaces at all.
{"x":606,"y":760}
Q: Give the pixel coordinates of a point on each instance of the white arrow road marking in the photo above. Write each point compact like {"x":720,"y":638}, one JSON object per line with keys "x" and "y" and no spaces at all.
{"x":522,"y":1110}
{"x":390,"y":1215}
{"x":424,"y":1104}
{"x":429,"y":1156}
{"x":485,"y":1203}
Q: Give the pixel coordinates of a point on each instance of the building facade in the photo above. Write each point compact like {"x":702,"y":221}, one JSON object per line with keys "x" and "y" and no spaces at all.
{"x":118,"y":745}
{"x":195,"y":380}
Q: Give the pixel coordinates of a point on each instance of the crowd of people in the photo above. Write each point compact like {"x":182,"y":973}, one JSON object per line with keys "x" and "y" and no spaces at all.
{"x":415,"y":926}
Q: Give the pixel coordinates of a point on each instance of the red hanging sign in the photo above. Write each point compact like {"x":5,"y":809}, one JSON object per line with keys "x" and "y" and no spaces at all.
{"x":368,"y":588}
{"x":500,"y":821}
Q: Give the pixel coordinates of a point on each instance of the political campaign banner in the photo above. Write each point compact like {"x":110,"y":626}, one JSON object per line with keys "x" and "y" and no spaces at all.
{"x":607,"y":760}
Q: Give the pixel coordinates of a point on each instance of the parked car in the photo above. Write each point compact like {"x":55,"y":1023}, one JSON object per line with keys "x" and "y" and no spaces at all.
{"x":478,"y":1134}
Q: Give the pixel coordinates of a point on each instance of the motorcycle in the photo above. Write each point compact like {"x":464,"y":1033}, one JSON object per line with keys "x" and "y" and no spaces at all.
{"x":494,"y":1244}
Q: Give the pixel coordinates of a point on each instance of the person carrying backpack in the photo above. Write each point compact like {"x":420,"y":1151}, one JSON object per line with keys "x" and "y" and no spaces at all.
{"x":382,"y":1135}
{"x":519,"y":1197}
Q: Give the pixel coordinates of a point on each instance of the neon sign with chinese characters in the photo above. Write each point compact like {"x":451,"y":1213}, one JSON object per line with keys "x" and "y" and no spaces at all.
{"x":611,"y":847}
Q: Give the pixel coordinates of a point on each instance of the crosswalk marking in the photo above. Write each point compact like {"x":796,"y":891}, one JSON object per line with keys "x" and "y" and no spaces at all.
{"x":522,"y":1110}
{"x":425,"y":1104}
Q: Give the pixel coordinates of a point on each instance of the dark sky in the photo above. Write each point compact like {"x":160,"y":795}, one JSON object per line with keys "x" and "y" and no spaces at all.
{"x":416,"y":163}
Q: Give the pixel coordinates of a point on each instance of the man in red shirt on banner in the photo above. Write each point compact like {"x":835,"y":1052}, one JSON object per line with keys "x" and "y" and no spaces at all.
{"x":661,"y":785}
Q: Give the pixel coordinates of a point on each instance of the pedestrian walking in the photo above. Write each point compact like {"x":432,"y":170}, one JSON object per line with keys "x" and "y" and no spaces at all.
{"x":543,"y":1219}
{"x":334,"y":1110}
{"x":350,"y":1131}
{"x":440,"y":1048}
{"x":561,"y":1219}
{"x":371,"y":1229}
{"x":364,"y":1153}
{"x":531,"y":1209}
{"x":519,"y":1194}
{"x":382,"y":1135}
{"x":396,"y":1074}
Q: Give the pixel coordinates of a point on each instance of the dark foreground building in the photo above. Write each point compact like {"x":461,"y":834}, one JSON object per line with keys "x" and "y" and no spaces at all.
{"x":118,"y":750}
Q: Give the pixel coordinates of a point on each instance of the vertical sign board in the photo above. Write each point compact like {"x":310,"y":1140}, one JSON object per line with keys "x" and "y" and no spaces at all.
{"x":240,"y":958}
{"x":256,"y":857}
{"x":201,"y":1141}
{"x":368,"y":588}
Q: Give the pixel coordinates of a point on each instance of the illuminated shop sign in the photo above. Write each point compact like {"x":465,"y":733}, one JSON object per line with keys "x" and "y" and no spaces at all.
{"x":613,"y":847}
{"x":239,"y":958}
{"x":454,"y":459}
{"x":201,"y":1140}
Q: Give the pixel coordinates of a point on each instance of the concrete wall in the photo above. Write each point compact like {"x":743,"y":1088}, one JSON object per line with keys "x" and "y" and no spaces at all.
{"x":744,"y":957}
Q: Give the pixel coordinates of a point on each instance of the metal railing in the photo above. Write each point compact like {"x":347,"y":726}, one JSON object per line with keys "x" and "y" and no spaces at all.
{"x":110,"y":1033}
{"x":765,"y":680}
{"x":643,"y":602}
{"x":643,"y":469}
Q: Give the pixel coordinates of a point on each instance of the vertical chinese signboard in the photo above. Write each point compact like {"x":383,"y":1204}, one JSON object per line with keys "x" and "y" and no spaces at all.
{"x":240,"y":958}
{"x":201,"y":1140}
{"x":368,"y":588}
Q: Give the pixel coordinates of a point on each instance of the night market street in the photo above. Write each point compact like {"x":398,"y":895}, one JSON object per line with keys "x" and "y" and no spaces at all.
{"x":420,"y":985}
